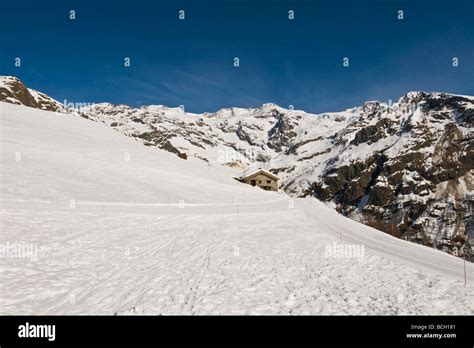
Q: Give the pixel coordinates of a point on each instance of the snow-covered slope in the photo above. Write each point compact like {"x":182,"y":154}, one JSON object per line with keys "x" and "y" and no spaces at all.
{"x":113,"y":226}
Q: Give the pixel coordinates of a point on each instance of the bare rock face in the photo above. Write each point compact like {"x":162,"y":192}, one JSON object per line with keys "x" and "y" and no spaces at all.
{"x":12,"y":90}
{"x":418,"y":185}
{"x":404,"y":168}
{"x":282,"y":133}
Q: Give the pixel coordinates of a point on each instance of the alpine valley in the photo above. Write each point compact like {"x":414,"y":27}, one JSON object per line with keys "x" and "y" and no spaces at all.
{"x":405,"y":168}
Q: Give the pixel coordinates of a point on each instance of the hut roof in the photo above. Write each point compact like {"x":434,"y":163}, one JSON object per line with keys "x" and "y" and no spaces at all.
{"x":254,"y":172}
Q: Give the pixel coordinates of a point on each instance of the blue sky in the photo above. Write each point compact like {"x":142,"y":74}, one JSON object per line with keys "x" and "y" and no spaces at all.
{"x":190,"y":62}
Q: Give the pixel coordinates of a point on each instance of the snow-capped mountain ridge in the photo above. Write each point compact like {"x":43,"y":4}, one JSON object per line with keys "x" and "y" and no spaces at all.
{"x":403,"y":167}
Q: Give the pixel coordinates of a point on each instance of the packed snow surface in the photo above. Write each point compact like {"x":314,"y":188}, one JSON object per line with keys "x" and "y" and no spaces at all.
{"x":112,"y":226}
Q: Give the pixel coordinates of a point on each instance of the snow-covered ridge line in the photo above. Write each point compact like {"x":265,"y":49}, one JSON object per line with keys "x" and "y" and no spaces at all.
{"x":6,"y":82}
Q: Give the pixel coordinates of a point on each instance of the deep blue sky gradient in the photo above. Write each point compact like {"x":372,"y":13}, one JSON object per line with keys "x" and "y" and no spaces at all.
{"x":190,"y":62}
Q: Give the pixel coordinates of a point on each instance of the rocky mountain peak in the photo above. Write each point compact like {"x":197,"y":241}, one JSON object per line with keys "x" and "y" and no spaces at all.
{"x":13,"y":90}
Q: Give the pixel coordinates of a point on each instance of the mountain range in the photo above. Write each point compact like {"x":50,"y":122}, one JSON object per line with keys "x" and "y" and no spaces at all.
{"x":405,"y":168}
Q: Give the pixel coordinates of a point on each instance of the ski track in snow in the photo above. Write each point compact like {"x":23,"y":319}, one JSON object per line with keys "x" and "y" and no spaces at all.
{"x":231,"y":249}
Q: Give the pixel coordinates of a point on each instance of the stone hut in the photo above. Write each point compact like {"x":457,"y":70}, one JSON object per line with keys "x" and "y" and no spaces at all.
{"x":261,"y":178}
